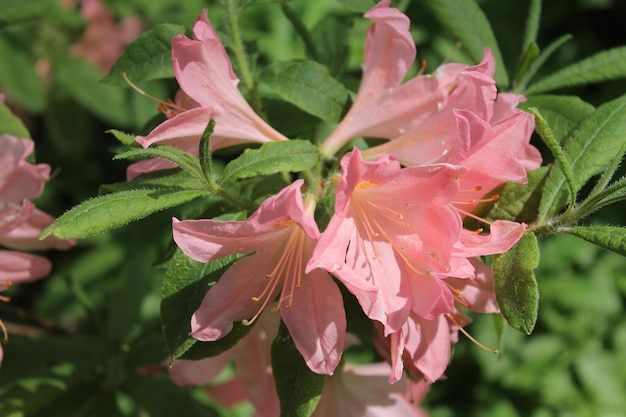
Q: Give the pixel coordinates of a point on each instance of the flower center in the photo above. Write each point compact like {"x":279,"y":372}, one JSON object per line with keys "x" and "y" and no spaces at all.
{"x":288,"y":271}
{"x":381,"y":221}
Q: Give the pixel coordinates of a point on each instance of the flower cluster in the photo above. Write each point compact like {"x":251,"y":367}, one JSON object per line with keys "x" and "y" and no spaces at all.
{"x":396,"y":240}
{"x":20,"y":222}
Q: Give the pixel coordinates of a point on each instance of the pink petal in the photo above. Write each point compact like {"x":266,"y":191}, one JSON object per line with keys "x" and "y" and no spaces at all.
{"x":317,"y":321}
{"x":203,"y":71}
{"x":19,"y":179}
{"x":21,"y":267}
{"x":231,"y":298}
{"x":389,"y":53}
{"x":25,"y":236}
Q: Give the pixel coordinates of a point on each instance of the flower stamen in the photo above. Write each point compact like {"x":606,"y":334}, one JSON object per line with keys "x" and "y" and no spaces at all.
{"x":458,"y":322}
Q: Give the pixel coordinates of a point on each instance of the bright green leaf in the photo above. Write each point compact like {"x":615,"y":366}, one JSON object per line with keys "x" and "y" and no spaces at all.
{"x":469,"y":25}
{"x":165,"y":178}
{"x":603,"y":66}
{"x":562,"y":113}
{"x":609,"y":237}
{"x":546,"y":133}
{"x":11,"y":124}
{"x":538,"y":62}
{"x":14,"y":11}
{"x":186,"y":283}
{"x":590,"y":148}
{"x":148,"y":57}
{"x":293,"y":155}
{"x":110,"y":211}
{"x":181,"y":158}
{"x":516,"y":288}
{"x":299,"y":389}
{"x":532,"y":52}
{"x":125,"y":138}
{"x":309,"y":86}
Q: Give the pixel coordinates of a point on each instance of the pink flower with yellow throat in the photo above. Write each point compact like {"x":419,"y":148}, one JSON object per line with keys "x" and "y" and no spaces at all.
{"x":209,"y":89}
{"x":280,"y":237}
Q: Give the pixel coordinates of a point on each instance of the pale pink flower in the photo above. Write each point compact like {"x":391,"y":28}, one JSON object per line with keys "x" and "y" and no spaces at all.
{"x":19,"y":179}
{"x":280,"y":236}
{"x":20,"y":222}
{"x":384,"y":107}
{"x":205,"y":74}
{"x":393,"y":228}
{"x":253,"y":381}
{"x":104,"y":40}
{"x":422,"y":347}
{"x":364,"y":391}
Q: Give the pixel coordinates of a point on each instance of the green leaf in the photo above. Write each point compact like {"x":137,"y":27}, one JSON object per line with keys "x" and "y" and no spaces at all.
{"x":11,"y":124}
{"x":125,"y":138}
{"x":186,"y":283}
{"x":538,"y":62}
{"x":110,"y":211}
{"x":532,"y":24}
{"x":590,"y":148}
{"x":532,"y":52}
{"x":79,"y":79}
{"x":309,"y":86}
{"x":204,"y":152}
{"x":148,"y":57}
{"x":563,"y":113}
{"x":516,"y":288}
{"x":546,"y":133}
{"x":603,"y":66}
{"x":20,"y":81}
{"x":516,"y":202}
{"x":299,"y":389}
{"x":609,"y":237}
{"x":292,"y":155}
{"x":467,"y":22}
{"x":165,"y":178}
{"x":181,"y":158}
{"x":15,"y":11}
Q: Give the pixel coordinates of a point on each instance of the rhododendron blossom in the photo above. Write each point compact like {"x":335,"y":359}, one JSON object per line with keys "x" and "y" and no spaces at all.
{"x":389,"y":53}
{"x":20,"y":222}
{"x":204,"y":73}
{"x":397,"y":226}
{"x":280,"y":236}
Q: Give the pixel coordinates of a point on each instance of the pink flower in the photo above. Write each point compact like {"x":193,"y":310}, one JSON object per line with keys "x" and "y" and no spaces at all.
{"x":104,"y":40}
{"x":364,"y":391}
{"x":20,"y":222}
{"x":474,"y":128}
{"x":253,"y":381}
{"x":205,"y":75}
{"x":18,"y":179}
{"x":280,"y":237}
{"x":389,"y":53}
{"x":393,"y":228}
